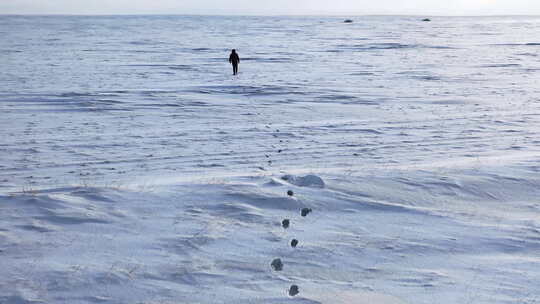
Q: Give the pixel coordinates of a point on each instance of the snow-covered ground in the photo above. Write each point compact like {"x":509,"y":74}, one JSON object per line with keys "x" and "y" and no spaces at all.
{"x":135,"y":169}
{"x":466,"y":236}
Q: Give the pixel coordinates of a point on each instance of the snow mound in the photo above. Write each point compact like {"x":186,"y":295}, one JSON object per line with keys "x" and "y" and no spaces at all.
{"x":304,"y":181}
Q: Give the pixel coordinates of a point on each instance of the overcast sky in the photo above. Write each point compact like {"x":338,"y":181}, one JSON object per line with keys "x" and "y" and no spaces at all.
{"x":270,"y":7}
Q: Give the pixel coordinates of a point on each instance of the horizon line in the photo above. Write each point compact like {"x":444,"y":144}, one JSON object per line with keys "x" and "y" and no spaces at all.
{"x":267,"y":15}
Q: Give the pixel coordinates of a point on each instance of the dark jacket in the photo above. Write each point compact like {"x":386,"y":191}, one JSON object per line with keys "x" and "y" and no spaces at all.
{"x":234,"y":59}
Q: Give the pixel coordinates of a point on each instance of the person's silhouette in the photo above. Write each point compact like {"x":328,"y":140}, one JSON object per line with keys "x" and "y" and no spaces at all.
{"x":234,"y":60}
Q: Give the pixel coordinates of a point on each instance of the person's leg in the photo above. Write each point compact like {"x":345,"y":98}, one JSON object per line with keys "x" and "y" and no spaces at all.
{"x":235,"y":69}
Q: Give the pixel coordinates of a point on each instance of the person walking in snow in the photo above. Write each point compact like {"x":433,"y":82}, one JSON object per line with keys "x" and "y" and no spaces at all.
{"x":234,"y":60}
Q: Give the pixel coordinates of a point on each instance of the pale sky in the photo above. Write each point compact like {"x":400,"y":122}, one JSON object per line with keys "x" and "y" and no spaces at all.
{"x":273,"y":7}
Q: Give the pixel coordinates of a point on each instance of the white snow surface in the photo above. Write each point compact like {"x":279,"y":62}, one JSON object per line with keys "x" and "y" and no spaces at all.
{"x":135,"y":169}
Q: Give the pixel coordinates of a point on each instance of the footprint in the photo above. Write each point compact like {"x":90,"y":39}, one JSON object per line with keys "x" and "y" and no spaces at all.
{"x":306,"y":211}
{"x":293,"y":290}
{"x":277,"y":265}
{"x":285,"y":223}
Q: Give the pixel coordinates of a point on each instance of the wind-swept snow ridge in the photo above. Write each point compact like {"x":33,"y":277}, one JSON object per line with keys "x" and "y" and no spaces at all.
{"x":462,"y":233}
